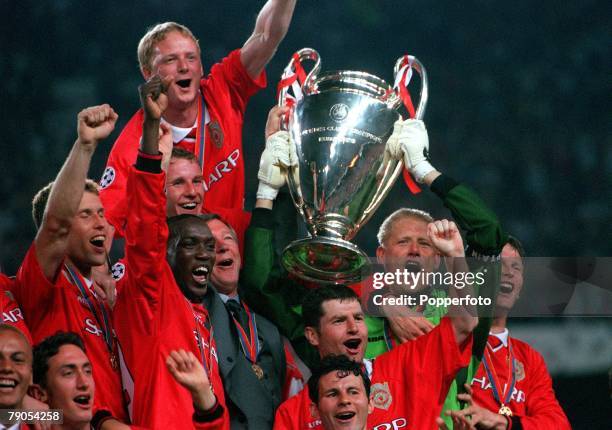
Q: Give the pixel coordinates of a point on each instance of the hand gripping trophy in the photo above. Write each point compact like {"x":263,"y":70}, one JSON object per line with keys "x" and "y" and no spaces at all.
{"x":339,"y":123}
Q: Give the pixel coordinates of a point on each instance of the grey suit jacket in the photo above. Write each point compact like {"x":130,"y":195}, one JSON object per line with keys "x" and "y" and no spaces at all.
{"x":250,"y":404}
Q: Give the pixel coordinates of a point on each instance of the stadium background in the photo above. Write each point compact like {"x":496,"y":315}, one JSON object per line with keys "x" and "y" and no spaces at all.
{"x":519,"y":93}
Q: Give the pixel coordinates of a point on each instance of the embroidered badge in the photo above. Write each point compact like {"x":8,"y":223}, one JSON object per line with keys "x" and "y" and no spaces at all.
{"x":107,"y":177}
{"x":216,"y":134}
{"x":520,"y":370}
{"x":381,"y":396}
{"x":118,"y":270}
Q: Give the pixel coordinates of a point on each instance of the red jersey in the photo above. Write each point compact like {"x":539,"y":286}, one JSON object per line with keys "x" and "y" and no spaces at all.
{"x":51,"y":306}
{"x":409,"y":384}
{"x":11,"y":313}
{"x":532,"y":400}
{"x":152,"y":316}
{"x":226,"y":91}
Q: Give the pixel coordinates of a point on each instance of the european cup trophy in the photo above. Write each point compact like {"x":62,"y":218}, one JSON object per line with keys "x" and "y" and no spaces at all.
{"x":339,"y":124}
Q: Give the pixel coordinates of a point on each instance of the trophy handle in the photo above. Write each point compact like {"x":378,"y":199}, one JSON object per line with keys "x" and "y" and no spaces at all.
{"x":401,"y":74}
{"x":295,"y":72}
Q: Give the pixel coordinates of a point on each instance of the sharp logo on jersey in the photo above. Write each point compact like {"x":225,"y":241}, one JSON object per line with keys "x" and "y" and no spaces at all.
{"x":118,"y":270}
{"x":381,"y":395}
{"x":314,"y":424}
{"x":225,"y":166}
{"x":12,"y":316}
{"x":92,"y":327}
{"x":204,"y":344}
{"x":398,"y":423}
{"x":517,"y":396}
{"x":107,"y":177}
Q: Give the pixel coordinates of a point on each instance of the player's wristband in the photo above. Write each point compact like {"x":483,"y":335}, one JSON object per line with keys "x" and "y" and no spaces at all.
{"x":421,"y":170}
{"x":210,"y":415}
{"x":266,"y":192}
{"x":148,"y":163}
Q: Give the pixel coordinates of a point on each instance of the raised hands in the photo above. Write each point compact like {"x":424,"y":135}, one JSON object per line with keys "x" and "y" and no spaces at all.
{"x":153,"y":96}
{"x":445,"y":236}
{"x":94,"y":124}
{"x":189,"y":372}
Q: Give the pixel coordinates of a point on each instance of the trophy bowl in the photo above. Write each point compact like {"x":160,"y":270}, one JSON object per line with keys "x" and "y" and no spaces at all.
{"x":339,"y":125}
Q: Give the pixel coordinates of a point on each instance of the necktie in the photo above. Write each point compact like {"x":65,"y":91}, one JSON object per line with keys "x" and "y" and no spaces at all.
{"x":238,"y":312}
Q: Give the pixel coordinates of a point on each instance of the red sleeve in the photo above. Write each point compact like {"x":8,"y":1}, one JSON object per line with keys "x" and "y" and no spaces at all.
{"x":231,"y":73}
{"x":542,"y":411}
{"x":32,"y":290}
{"x":437,"y":353}
{"x":114,"y":179}
{"x":146,"y":235}
{"x":11,"y":313}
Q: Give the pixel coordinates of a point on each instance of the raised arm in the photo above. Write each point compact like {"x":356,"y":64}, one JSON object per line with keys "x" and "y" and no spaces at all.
{"x":446,"y":238}
{"x":270,"y":29}
{"x":93,"y":124}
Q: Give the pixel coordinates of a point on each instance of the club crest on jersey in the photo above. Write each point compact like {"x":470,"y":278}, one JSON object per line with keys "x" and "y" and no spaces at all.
{"x":520,"y":370}
{"x":118,"y":270}
{"x":381,"y":396}
{"x":216,"y":134}
{"x":107,"y":177}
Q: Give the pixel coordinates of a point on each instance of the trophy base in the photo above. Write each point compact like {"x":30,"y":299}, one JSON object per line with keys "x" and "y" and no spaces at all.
{"x":326,"y":260}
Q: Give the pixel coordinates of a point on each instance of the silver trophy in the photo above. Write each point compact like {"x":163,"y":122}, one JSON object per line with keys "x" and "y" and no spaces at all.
{"x":339,"y":125}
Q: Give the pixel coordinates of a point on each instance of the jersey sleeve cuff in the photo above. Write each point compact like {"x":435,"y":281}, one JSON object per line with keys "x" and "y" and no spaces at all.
{"x":210,"y":415}
{"x":262,"y":218}
{"x":442,"y":185}
{"x":149,"y":163}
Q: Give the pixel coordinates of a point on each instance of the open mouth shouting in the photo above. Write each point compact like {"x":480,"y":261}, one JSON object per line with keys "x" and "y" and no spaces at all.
{"x":345,"y":417}
{"x":189,"y":206}
{"x":183,"y":83}
{"x":506,"y":287}
{"x":83,"y":401}
{"x":98,"y":242}
{"x":7,"y":385}
{"x":200,"y":275}
{"x":352,"y":346}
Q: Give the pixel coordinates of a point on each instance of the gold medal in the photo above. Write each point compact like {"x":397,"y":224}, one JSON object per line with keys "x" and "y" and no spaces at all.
{"x":258,"y":371}
{"x":505,"y":411}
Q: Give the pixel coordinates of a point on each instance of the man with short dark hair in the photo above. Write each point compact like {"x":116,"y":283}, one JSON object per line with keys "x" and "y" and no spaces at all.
{"x":168,"y":268}
{"x":340,"y":392}
{"x":15,"y":367}
{"x":63,"y":378}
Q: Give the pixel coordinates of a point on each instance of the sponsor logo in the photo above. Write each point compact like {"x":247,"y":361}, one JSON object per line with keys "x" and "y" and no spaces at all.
{"x":517,"y":396}
{"x":107,"y":177}
{"x":92,"y":327}
{"x":339,"y":112}
{"x":223,"y":167}
{"x":398,"y":423}
{"x":381,"y":396}
{"x":13,"y":316}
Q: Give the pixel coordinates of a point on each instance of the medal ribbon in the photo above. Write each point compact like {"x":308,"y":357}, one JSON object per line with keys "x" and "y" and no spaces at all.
{"x":492,"y":375}
{"x":293,"y":76}
{"x":402,"y":80}
{"x":249,"y":342}
{"x":388,"y":335}
{"x":201,"y":132}
{"x":102,"y":322}
{"x":206,"y":363}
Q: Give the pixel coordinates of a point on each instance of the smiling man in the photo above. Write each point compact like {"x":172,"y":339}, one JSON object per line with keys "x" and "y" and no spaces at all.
{"x":63,"y":378}
{"x":251,"y":353}
{"x":340,"y":392}
{"x":54,"y":285}
{"x":15,"y":367}
{"x":168,"y":269}
{"x":205,"y":113}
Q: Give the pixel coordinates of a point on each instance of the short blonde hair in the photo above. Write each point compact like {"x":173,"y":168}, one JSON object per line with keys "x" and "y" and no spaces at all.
{"x":156,"y":34}
{"x":387,"y":225}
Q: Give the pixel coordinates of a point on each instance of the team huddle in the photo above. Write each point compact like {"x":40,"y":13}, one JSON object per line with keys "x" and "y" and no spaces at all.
{"x":198,"y":326}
